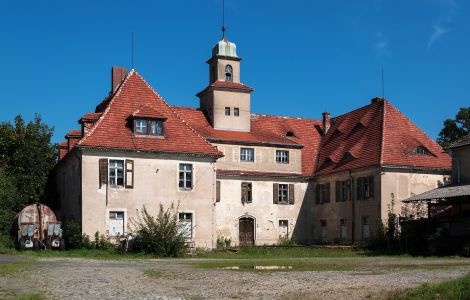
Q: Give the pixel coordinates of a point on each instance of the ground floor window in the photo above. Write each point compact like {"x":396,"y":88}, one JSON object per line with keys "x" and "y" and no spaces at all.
{"x":323,"y":228}
{"x":116,"y":223}
{"x":365,"y":227}
{"x":343,"y":233}
{"x":186,"y":224}
{"x":284,"y":229}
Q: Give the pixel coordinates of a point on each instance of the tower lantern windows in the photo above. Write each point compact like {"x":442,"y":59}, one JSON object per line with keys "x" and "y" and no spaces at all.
{"x":228,"y":73}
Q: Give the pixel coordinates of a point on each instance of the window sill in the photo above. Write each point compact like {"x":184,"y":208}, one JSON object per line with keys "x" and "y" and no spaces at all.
{"x":185,"y":189}
{"x":282,"y":163}
{"x":149,"y":136}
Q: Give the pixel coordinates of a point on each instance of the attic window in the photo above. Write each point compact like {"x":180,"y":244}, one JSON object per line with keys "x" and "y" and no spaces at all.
{"x":356,"y":128}
{"x":148,"y":127}
{"x":347,"y":157}
{"x":328,"y":161}
{"x":290,"y":134}
{"x":228,"y":73}
{"x":420,"y":150}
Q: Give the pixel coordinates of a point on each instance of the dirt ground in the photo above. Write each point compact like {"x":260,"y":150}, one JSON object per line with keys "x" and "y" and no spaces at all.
{"x":73,"y":278}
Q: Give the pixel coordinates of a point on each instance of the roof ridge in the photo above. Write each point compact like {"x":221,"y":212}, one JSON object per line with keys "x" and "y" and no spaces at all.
{"x":283,"y":117}
{"x":382,"y":132}
{"x":108,"y":107}
{"x":352,"y":111}
{"x":175,"y":113}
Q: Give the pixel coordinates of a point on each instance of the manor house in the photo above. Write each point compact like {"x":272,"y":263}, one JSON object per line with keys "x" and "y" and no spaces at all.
{"x":251,"y":178}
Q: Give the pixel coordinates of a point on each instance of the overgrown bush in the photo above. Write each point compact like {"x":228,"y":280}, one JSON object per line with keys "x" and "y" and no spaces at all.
{"x":223,"y":242}
{"x":160,"y":235}
{"x":72,"y":235}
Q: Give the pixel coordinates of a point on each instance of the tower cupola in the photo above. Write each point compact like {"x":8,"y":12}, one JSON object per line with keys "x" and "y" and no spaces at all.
{"x":225,"y":48}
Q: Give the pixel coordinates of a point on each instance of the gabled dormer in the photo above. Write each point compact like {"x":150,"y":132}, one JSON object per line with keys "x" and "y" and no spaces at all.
{"x":147,"y":121}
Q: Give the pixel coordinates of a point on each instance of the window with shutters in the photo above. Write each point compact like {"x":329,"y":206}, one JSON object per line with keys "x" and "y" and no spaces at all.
{"x":365,"y":188}
{"x":342,"y":190}
{"x":283,"y":193}
{"x":116,"y":172}
{"x":247,"y":154}
{"x":247,"y":194}
{"x":323,"y":193}
{"x":185,"y":176}
{"x":282,"y":156}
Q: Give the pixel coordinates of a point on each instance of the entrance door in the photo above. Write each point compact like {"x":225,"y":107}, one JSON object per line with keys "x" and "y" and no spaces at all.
{"x":247,"y":231}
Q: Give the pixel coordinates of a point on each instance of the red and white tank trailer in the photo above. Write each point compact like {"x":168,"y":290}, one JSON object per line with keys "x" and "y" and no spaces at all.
{"x":38,"y":228}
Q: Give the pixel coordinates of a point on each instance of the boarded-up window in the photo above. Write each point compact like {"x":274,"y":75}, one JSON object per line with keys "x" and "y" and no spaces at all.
{"x":247,"y":193}
{"x":129,"y":174}
{"x":103,"y":171}
{"x":217,"y":191}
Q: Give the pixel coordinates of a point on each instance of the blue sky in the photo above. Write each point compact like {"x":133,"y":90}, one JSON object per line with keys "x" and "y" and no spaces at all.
{"x":302,"y":57}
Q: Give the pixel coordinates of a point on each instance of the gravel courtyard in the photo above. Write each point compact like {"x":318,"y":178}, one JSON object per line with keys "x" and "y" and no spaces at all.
{"x":74,"y":278}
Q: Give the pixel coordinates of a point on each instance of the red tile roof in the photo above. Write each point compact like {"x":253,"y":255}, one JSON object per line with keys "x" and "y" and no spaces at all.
{"x":230,"y":84}
{"x":113,"y":130}
{"x":74,"y":133}
{"x":373,"y":135}
{"x":91,"y":116}
{"x":265,"y":131}
{"x":147,"y":112}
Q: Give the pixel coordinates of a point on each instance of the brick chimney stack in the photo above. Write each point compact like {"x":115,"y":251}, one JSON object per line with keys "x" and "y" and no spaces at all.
{"x":326,"y":122}
{"x":117,"y":76}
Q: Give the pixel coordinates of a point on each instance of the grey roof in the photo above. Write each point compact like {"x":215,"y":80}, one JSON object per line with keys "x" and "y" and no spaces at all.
{"x":441,"y":193}
{"x":461,"y":142}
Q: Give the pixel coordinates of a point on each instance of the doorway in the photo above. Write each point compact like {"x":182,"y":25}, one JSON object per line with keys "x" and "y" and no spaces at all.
{"x":246,"y":231}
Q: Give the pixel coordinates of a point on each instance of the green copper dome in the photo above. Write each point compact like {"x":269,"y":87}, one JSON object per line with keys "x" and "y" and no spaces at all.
{"x":225,"y":48}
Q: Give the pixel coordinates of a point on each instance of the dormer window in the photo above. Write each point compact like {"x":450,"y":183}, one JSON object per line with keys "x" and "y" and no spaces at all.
{"x":228,"y":73}
{"x":420,"y":150}
{"x":148,"y":127}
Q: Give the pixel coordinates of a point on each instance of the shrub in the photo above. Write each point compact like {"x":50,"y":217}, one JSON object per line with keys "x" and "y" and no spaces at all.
{"x":72,"y":235}
{"x":160,"y":235}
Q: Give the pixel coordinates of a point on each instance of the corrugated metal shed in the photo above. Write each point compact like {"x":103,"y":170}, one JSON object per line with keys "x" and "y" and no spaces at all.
{"x":441,"y":193}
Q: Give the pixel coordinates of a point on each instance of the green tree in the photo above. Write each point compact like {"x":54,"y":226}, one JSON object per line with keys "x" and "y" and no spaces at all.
{"x":10,"y":203}
{"x":456,"y":128}
{"x":27,"y":156}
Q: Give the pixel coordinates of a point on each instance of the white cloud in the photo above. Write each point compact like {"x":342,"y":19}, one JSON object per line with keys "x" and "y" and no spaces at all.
{"x":437,"y":33}
{"x":442,"y":25}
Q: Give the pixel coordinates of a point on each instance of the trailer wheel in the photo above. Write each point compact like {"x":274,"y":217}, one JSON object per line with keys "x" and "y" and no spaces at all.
{"x":35,"y":245}
{"x":49,"y":243}
{"x":21,"y":244}
{"x":62,"y":244}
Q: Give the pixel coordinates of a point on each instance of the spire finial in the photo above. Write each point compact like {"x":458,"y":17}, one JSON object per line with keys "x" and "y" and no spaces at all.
{"x":223,"y":19}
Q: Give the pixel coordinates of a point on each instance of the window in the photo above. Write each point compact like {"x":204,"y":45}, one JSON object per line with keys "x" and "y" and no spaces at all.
{"x":323,"y":230}
{"x":365,"y":188}
{"x":116,"y":172}
{"x":140,"y":126}
{"x":283,"y":223}
{"x":283,"y":193}
{"x":290,"y":134}
{"x":420,"y":150}
{"x":282,"y":156}
{"x":186,"y":176}
{"x":247,"y":154}
{"x":148,"y":127}
{"x":156,"y":127}
{"x":228,"y":73}
{"x":322,"y":193}
{"x":283,"y":229}
{"x":116,"y":223}
{"x":365,"y":227}
{"x":236,"y":112}
{"x":227,"y":111}
{"x":186,"y":224}
{"x":342,"y":190}
{"x":247,"y":195}
{"x":343,"y":232}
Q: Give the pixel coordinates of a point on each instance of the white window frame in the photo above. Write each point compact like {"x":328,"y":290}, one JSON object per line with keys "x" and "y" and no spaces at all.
{"x":185,"y":172}
{"x":156,"y":127}
{"x":140,"y":125}
{"x":191,"y":231}
{"x":114,"y":169}
{"x":107,"y":218}
{"x":245,"y":156}
{"x":283,"y":187}
{"x":282,"y":156}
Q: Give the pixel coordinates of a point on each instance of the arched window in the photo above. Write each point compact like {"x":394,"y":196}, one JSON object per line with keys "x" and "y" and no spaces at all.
{"x":228,"y":73}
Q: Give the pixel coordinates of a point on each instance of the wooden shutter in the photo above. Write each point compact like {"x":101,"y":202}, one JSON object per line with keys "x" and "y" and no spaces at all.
{"x":275,"y":193}
{"x":317,"y":194}
{"x":338,"y":191}
{"x":371,"y":186}
{"x":360,"y":188}
{"x":129,"y":174}
{"x":327,"y":192}
{"x":103,"y":171}
{"x":244,"y":192}
{"x":291,"y":194}
{"x":217,"y":191}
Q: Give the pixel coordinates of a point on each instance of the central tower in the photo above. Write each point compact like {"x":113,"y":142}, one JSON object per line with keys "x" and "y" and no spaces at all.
{"x":226,"y":101}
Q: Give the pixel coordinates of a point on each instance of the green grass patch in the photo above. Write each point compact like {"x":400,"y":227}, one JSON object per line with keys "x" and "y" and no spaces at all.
{"x":454,"y":289}
{"x":282,"y":252}
{"x":10,"y":295}
{"x":7,"y":268}
{"x":109,"y":254}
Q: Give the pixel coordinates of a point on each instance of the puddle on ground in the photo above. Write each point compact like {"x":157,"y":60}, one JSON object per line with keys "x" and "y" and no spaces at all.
{"x":254,"y":267}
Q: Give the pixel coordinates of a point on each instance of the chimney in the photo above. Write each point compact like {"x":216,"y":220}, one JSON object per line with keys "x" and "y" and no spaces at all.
{"x":377,"y":100}
{"x":117,"y":76}
{"x":326,"y":122}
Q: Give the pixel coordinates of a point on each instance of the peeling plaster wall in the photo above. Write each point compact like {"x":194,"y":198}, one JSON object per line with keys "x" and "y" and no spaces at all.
{"x":67,"y":178}
{"x":262,"y":209}
{"x":155,"y":182}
